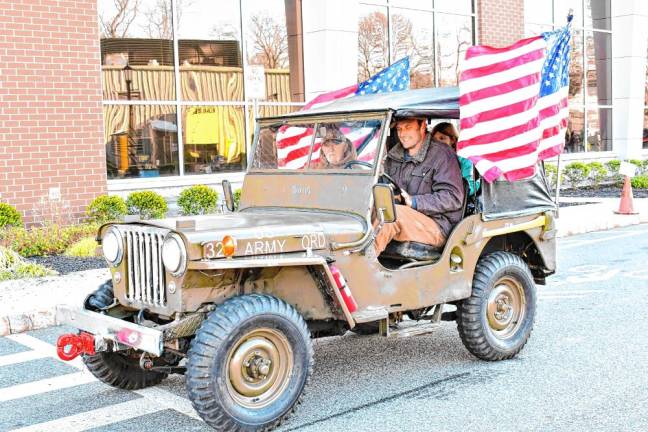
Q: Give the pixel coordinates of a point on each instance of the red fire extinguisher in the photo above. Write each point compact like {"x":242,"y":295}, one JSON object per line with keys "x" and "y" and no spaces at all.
{"x":347,"y":296}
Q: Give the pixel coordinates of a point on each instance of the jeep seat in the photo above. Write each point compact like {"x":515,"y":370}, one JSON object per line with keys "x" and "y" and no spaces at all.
{"x":416,"y":251}
{"x":412,"y":250}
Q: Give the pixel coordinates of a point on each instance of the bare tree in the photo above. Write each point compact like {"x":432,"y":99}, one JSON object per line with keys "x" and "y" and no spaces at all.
{"x":160,"y":18}
{"x":270,"y":42}
{"x":373,"y":48}
{"x":116,"y":25}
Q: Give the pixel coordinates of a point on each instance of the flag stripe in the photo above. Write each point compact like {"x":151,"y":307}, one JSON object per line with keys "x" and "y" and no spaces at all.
{"x":503,"y":65}
{"x":485,"y":99}
{"x":489,"y":54}
{"x":499,"y":77}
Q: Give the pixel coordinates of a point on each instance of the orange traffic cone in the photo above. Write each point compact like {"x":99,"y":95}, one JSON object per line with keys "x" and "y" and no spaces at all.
{"x":626,"y":205}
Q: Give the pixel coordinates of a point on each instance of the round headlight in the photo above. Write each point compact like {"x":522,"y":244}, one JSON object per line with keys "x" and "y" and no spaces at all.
{"x":174,"y":255}
{"x":111,"y":243}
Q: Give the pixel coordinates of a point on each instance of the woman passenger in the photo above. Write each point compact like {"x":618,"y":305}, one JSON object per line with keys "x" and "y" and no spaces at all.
{"x":445,"y":132}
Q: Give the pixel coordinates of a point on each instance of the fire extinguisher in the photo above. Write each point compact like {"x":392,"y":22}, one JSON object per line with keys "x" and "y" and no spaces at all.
{"x":347,"y":296}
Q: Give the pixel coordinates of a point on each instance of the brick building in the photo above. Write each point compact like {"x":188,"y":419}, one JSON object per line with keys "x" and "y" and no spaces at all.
{"x":103,"y":96}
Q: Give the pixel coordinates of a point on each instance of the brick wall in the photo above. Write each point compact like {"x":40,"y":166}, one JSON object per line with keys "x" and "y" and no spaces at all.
{"x":499,"y":22}
{"x":51,"y":125}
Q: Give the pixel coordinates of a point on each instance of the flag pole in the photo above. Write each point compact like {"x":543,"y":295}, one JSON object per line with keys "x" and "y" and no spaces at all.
{"x":570,"y":16}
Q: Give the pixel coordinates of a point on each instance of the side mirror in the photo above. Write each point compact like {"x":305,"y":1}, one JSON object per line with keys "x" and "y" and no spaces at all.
{"x":384,"y":200}
{"x":229,"y":197}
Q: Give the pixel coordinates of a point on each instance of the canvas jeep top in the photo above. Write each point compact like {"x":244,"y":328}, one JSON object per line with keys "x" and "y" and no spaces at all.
{"x":232,"y":300}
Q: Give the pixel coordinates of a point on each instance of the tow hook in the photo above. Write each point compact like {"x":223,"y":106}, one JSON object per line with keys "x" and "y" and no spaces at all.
{"x":69,"y":346}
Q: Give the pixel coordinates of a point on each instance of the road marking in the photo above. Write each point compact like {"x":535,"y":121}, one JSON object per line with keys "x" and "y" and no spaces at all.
{"x":43,"y":386}
{"x":164,"y":399}
{"x":96,"y":418}
{"x":21,"y":357}
{"x":48,"y":350}
{"x":587,"y":242}
{"x":169,"y":400}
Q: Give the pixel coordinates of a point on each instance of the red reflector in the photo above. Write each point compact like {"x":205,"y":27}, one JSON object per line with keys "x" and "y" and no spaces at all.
{"x":69,"y":346}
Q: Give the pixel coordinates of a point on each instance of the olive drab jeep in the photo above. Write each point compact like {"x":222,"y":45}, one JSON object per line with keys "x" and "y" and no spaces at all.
{"x":233,"y":300}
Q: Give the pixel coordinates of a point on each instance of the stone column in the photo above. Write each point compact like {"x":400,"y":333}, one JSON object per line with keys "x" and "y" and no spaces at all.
{"x":629,"y":44}
{"x":330,"y":37}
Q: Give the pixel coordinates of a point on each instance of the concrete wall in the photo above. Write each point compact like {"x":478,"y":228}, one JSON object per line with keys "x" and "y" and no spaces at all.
{"x":330,"y":32}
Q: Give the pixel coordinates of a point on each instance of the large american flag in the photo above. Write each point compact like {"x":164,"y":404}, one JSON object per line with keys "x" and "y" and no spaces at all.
{"x":293,"y":143}
{"x":513,"y":104}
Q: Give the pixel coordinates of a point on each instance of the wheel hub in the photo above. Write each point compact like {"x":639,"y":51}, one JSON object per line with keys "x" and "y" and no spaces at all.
{"x":259,"y":367}
{"x":505,"y":308}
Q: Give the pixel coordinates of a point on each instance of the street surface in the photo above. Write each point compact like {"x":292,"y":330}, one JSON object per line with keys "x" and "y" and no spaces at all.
{"x":584,"y":368}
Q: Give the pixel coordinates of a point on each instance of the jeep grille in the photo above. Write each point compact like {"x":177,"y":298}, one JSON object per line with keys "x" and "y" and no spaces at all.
{"x":146,"y":282}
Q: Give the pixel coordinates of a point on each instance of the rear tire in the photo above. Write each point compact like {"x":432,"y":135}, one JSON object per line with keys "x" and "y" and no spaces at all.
{"x":496,"y":321}
{"x":249,"y":364}
{"x":118,"y":370}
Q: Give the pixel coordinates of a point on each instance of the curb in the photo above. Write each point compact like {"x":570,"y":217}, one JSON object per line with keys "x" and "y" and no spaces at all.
{"x":27,"y":322}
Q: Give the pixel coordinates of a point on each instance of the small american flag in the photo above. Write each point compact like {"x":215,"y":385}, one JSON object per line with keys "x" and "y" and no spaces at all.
{"x":513,"y":104}
{"x":293,"y":142}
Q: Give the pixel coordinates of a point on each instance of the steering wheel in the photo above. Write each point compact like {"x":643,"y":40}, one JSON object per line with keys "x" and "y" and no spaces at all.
{"x":351,"y":163}
{"x":386,"y":178}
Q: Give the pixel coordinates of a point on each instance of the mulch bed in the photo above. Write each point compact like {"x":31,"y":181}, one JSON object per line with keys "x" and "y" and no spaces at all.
{"x":65,"y":264}
{"x":601,"y":192}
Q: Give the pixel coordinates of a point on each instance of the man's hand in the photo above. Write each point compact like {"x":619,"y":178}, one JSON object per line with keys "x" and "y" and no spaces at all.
{"x":406,"y":198}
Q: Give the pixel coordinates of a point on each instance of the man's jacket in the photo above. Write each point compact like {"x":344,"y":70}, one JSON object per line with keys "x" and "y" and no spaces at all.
{"x":433,"y":178}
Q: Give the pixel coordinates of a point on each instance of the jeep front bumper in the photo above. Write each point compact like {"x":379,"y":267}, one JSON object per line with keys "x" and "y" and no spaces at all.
{"x":106,"y":327}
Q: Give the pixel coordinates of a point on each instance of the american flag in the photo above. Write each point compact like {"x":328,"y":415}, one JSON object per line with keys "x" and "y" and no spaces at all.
{"x":513,"y":104}
{"x":293,"y":142}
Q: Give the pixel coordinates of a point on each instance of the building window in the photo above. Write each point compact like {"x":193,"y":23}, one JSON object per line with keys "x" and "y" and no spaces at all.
{"x":590,"y":72}
{"x":175,"y":102}
{"x":434,"y":34}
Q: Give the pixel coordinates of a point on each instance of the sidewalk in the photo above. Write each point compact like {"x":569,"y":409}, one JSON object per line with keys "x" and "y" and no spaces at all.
{"x":30,"y":304}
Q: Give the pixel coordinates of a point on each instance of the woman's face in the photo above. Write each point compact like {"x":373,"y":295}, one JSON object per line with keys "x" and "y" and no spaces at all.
{"x":441,"y":137}
{"x":333,"y":151}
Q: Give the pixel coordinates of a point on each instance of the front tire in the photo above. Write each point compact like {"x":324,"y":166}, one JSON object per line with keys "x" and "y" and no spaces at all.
{"x":496,"y":321}
{"x":249,"y":364}
{"x":121,"y":371}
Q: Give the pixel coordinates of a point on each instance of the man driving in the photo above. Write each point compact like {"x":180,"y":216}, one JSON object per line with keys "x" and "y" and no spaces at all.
{"x":429,"y":176}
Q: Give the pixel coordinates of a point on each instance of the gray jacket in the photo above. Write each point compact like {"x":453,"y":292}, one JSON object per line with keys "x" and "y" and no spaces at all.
{"x":433,"y":178}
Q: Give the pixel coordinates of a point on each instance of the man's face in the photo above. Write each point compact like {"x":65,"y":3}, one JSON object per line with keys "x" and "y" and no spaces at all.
{"x":411,"y":132}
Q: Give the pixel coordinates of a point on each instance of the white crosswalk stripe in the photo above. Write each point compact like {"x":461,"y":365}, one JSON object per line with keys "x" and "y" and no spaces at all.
{"x":21,"y":357}
{"x":46,"y":385}
{"x":96,"y":418}
{"x":153,"y":398}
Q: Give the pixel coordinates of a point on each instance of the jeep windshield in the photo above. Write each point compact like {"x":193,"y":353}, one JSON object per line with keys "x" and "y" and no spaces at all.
{"x":322,"y":145}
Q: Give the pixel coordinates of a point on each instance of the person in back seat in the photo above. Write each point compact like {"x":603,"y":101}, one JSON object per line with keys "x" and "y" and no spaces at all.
{"x":445,"y":132}
{"x":428,"y":174}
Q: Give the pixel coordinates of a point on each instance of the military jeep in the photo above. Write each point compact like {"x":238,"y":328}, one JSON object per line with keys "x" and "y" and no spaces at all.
{"x":233,"y":300}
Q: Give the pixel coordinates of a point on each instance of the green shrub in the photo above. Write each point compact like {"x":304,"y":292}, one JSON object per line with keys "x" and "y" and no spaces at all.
{"x":576,"y":173}
{"x":47,"y":240}
{"x":12,"y":266}
{"x":598,"y":173}
{"x":640,"y":182}
{"x":106,"y":208}
{"x":86,"y":247}
{"x":9,"y":216}
{"x":146,"y":204}
{"x":613,"y":169}
{"x":237,"y":198}
{"x":644,"y":167}
{"x":198,"y":200}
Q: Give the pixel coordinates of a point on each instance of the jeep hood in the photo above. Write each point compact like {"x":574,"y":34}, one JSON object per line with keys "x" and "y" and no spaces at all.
{"x":265,"y":231}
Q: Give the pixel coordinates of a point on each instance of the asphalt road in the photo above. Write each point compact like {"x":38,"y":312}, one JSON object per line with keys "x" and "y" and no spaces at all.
{"x":583,"y":369}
